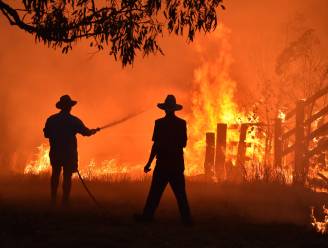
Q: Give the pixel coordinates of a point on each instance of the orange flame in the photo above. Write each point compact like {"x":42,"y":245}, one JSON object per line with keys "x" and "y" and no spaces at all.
{"x":320,"y":226}
{"x":112,"y":170}
{"x":109,"y":170}
{"x":213,"y":103}
{"x":282,"y":115}
{"x":41,"y":164}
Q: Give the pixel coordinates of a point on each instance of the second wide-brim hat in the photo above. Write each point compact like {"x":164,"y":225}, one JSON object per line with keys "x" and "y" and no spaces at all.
{"x":170,"y":104}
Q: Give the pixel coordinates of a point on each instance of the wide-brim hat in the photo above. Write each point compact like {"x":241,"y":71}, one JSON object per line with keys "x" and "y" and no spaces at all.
{"x":170,"y":104}
{"x":65,"y":101}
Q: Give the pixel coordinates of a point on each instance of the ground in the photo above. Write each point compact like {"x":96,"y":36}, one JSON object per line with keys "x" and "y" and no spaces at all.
{"x":226,"y":215}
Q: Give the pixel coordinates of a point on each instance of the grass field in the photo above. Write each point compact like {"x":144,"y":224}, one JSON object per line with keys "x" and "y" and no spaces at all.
{"x":252,"y":215}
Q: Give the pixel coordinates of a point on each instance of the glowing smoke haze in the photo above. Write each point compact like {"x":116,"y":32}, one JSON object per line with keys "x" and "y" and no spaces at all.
{"x":33,"y":77}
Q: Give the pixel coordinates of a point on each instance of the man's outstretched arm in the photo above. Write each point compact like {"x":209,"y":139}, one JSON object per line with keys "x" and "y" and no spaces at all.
{"x":83,"y":130}
{"x":89,"y":132}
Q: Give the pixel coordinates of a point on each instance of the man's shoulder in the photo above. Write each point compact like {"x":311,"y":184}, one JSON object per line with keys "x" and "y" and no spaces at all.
{"x":181,"y":120}
{"x":176,"y":119}
{"x":60,"y":116}
{"x":75,"y":120}
{"x":53,"y":117}
{"x":74,"y":117}
{"x":160,"y":120}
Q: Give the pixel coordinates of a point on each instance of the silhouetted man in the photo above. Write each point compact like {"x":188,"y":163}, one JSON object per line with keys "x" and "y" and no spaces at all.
{"x":61,"y":129}
{"x":169,"y":137}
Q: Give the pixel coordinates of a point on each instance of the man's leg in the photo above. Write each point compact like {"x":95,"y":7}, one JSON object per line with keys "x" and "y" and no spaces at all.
{"x":158,"y":184}
{"x":67,"y":182}
{"x":177,"y":182}
{"x":54,"y":181}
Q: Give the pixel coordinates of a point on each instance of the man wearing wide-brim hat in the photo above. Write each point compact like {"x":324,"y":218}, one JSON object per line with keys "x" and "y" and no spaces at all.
{"x":169,"y":137}
{"x":61,"y":130}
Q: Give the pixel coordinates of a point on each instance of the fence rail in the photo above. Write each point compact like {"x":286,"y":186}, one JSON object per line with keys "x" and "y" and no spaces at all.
{"x":216,"y":143}
{"x":300,"y":148}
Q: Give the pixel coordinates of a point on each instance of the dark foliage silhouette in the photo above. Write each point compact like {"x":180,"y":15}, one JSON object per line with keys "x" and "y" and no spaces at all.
{"x":124,"y":26}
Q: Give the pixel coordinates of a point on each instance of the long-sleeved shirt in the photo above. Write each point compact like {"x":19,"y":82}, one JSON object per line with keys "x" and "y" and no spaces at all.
{"x":61,"y":130}
{"x":170,"y":137}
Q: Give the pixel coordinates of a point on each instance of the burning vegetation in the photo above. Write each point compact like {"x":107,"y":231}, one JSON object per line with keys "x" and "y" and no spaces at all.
{"x":108,"y":170}
{"x":237,"y":143}
{"x":212,"y":102}
{"x":231,"y":141}
{"x":320,"y":226}
{"x":41,"y":164}
{"x":255,"y":101}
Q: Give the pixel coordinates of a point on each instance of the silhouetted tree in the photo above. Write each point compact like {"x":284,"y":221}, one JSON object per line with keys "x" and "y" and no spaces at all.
{"x":124,"y":26}
{"x":300,"y":70}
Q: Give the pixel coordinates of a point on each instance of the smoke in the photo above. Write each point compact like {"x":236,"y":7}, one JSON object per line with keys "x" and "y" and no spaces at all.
{"x":33,"y":77}
{"x":122,"y":120}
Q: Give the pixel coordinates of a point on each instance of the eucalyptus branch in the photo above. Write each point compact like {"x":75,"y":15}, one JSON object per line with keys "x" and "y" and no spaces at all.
{"x":124,"y":27}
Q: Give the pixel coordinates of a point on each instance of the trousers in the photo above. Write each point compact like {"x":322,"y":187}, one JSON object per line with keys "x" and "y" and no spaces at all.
{"x":67,"y":182}
{"x":161,"y":178}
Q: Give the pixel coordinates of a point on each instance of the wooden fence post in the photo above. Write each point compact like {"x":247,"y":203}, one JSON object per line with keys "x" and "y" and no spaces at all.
{"x":241,"y":154}
{"x":220,"y":154}
{"x":209,"y":154}
{"x":278,"y":143}
{"x":299,"y":177}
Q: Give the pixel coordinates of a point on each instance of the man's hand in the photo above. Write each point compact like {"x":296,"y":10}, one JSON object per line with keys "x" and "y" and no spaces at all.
{"x":147,"y":168}
{"x":74,"y":168}
{"x":93,"y":131}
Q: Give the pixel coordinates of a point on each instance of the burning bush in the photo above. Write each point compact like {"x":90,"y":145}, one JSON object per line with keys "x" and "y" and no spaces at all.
{"x":320,"y":226}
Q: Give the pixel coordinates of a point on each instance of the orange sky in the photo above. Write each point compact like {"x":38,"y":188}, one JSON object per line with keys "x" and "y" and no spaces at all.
{"x":33,"y":77}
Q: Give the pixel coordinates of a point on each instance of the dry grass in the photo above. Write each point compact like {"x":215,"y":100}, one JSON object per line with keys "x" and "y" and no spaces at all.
{"x":226,"y":215}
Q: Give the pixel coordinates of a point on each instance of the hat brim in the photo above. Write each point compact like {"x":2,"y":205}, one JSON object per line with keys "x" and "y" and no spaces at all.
{"x":164,"y":106}
{"x":61,"y":105}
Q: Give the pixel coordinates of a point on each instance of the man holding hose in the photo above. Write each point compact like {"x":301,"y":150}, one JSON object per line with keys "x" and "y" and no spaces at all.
{"x":61,"y":130}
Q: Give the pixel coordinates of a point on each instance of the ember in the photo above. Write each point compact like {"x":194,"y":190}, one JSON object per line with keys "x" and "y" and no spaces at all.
{"x":320,"y":226}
